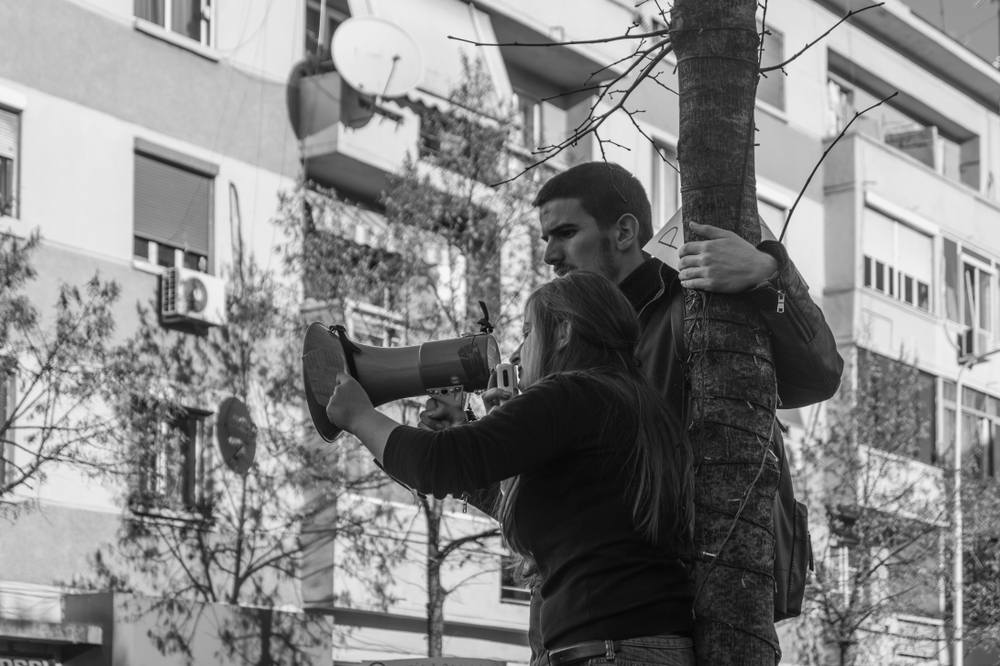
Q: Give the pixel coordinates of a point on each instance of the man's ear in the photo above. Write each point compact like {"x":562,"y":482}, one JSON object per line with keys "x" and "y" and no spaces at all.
{"x":563,"y":335}
{"x":626,"y":232}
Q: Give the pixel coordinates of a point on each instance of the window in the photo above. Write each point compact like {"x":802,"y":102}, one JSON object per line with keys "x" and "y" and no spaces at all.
{"x":918,"y":639}
{"x":9,"y":132}
{"x":173,"y":213}
{"x":175,"y":466}
{"x":336,"y":11}
{"x":970,"y":296}
{"x":191,"y":18}
{"x":771,"y":88}
{"x":903,"y":123}
{"x":530,"y":131}
{"x":980,"y":430}
{"x":839,"y":107}
{"x":841,"y":571}
{"x":897,"y":259}
{"x":373,"y":325}
{"x":773,"y":216}
{"x":666,"y":184}
{"x":511,"y":590}
{"x":910,"y":432}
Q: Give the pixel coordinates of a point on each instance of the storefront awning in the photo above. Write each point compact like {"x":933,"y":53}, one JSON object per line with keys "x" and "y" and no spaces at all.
{"x":431,"y":23}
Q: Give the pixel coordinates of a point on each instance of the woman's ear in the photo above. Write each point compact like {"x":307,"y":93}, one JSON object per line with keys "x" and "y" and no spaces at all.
{"x":563,"y":335}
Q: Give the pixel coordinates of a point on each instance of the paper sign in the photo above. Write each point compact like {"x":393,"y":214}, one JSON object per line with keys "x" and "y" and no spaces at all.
{"x":666,"y":243}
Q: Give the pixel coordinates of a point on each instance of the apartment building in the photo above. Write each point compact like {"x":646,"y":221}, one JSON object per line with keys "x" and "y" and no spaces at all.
{"x":138,"y":138}
{"x":117,"y":114}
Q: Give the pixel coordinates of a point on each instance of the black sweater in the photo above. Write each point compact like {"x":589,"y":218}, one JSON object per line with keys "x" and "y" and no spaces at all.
{"x":602,"y":580}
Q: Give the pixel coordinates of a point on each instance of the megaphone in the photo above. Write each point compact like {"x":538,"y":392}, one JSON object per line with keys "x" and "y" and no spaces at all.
{"x":442,"y":369}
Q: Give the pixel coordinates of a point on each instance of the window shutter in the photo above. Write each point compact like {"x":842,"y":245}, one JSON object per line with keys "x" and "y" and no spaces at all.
{"x":172,"y":205}
{"x":8,"y":134}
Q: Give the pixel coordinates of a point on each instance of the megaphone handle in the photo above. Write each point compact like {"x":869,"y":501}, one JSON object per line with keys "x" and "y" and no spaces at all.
{"x":349,"y":348}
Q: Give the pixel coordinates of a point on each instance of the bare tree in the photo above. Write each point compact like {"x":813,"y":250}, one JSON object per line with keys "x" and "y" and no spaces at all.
{"x":197,"y":529}
{"x":447,"y":240}
{"x":880,"y":556}
{"x":51,"y":373}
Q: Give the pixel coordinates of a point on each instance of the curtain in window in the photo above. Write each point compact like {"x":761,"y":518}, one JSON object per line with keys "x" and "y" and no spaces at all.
{"x":186,"y":18}
{"x":150,"y":10}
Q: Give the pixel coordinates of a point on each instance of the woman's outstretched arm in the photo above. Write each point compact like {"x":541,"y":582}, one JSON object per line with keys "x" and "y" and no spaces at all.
{"x":350,"y":409}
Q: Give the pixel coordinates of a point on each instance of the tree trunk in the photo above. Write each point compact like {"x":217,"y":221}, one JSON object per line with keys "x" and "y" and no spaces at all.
{"x":732,"y":383}
{"x":435,"y":592}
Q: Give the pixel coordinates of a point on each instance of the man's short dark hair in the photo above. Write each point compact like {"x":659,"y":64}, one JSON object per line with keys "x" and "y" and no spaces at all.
{"x":606,"y":191}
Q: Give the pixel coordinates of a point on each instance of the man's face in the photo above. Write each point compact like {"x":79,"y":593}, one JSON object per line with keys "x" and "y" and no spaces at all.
{"x":574,"y":241}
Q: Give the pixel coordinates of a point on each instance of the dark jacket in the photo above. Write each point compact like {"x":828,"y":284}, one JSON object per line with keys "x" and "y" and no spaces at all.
{"x":807,"y":365}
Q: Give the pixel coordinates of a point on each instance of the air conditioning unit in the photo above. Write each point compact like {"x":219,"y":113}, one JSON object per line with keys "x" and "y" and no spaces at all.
{"x":192,"y":297}
{"x":972,"y":342}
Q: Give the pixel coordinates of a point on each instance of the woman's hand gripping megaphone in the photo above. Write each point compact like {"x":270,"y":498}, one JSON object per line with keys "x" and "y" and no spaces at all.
{"x":348,"y":403}
{"x":438,"y":415}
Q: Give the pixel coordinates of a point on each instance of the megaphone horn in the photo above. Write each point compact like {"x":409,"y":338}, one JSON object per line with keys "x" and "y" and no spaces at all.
{"x":438,"y":368}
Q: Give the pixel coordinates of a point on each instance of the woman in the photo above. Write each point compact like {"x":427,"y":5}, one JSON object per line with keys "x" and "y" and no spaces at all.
{"x":602,"y":485}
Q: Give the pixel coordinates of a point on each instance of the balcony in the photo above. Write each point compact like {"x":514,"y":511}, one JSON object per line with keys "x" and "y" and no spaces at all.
{"x":873,"y":166}
{"x":352,"y":159}
{"x":901,"y":486}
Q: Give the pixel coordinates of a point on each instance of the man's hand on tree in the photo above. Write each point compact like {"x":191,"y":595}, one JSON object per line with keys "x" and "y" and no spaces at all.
{"x":724,"y":263}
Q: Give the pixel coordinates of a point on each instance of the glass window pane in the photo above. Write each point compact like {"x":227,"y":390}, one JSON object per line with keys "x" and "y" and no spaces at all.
{"x":892,"y":281}
{"x":186,"y":18}
{"x":973,"y":399}
{"x":908,"y":289}
{"x":165,"y":255}
{"x":771,"y":88}
{"x":949,"y":390}
{"x":665,"y":181}
{"x":923,"y":296}
{"x":195,"y":262}
{"x":951,"y":279}
{"x":947,"y":436}
{"x":140,"y":248}
{"x":879,"y":276}
{"x":969,"y":289}
{"x":6,"y":186}
{"x":868,"y":271}
{"x":985,"y":289}
{"x":150,"y":10}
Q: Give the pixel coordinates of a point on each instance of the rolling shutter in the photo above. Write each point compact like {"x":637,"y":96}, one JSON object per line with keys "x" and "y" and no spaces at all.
{"x":8,"y":134}
{"x":172,"y":204}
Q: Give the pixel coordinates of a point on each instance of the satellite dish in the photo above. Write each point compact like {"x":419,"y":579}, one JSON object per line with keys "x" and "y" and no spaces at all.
{"x":376,"y":57}
{"x":236,"y":435}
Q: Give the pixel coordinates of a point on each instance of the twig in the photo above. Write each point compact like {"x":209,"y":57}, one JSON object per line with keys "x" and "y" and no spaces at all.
{"x":591,"y":124}
{"x":857,"y":114}
{"x":808,"y":46}
{"x":575,"y":42}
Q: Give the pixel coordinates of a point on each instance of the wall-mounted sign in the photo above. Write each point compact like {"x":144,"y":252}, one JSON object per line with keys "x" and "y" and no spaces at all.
{"x":26,"y":661}
{"x":237,"y":436}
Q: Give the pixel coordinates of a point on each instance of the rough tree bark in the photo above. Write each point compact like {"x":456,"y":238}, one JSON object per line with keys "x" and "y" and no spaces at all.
{"x":435,"y":591}
{"x":732,"y":380}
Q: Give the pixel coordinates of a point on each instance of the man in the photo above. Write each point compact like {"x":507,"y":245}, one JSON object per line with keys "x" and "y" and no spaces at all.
{"x":596,"y":217}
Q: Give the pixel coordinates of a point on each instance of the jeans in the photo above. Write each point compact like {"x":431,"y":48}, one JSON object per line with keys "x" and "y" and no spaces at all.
{"x":662,"y":650}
